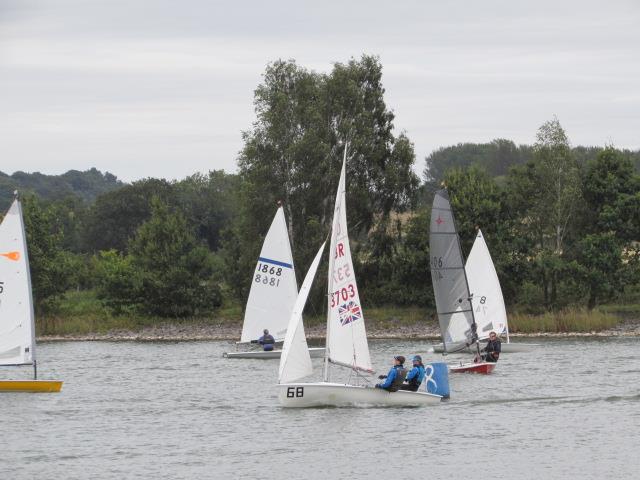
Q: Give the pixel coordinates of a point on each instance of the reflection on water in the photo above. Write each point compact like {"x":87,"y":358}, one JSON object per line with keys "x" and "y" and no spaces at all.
{"x":179,"y":411}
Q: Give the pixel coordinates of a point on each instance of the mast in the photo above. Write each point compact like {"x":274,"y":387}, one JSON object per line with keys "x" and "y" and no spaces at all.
{"x":474,"y":326}
{"x":32,"y":318}
{"x":332,"y":247}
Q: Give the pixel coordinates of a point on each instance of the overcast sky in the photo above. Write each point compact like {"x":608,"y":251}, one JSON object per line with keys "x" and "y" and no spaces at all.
{"x":164,"y":88}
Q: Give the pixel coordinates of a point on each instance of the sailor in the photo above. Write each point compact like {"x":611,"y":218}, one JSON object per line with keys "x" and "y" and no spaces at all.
{"x":493,"y":348}
{"x":395,"y":377}
{"x":415,"y":375}
{"x":266,"y":341}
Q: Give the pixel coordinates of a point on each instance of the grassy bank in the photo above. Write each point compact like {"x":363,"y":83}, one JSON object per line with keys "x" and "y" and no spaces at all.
{"x":81,"y":313}
{"x":569,"y":320}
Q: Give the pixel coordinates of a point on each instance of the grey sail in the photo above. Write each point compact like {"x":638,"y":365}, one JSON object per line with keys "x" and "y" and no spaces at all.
{"x":450,"y":286}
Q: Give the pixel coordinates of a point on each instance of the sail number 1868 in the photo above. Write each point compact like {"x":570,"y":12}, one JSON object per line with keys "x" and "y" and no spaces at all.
{"x":293,"y":392}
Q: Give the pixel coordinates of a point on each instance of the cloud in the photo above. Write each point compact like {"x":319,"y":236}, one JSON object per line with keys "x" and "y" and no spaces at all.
{"x":165,"y":88}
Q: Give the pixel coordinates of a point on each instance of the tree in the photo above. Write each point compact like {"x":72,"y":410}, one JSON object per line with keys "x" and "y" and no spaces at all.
{"x":294,"y":153}
{"x":176,"y":272}
{"x":51,"y":266}
{"x":545,"y":194}
{"x":115,"y":216}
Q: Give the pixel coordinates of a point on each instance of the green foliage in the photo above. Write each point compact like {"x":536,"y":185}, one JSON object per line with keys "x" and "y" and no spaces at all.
{"x":176,"y":272}
{"x":51,"y":267}
{"x":84,"y":185}
{"x":294,"y":154}
{"x":115,"y":216}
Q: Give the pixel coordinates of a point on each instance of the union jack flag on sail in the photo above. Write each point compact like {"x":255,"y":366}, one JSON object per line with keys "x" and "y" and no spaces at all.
{"x":349,"y":312}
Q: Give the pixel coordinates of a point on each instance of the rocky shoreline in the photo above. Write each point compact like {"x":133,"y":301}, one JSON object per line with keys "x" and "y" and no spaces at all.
{"x":202,"y":332}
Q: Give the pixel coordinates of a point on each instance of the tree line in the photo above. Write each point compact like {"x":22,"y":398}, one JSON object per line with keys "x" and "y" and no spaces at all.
{"x":561,"y":222}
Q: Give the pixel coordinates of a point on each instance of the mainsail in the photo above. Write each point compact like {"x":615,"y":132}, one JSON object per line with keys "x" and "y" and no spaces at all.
{"x":450,"y":287}
{"x":17,"y":332}
{"x":273,"y":287}
{"x":488,"y":304}
{"x":346,"y":334}
{"x":295,"y":361}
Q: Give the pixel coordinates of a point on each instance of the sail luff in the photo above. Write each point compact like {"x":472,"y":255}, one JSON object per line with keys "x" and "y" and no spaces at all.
{"x":29,"y":287}
{"x":295,"y":361}
{"x":346,"y":331}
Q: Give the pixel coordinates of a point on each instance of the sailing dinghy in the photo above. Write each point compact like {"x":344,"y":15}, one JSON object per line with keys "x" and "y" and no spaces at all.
{"x":488,"y":302}
{"x":17,"y":324}
{"x":450,"y":286}
{"x":346,"y":346}
{"x":273,"y":293}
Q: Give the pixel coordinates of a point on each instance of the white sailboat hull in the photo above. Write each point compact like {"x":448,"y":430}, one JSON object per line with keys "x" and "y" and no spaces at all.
{"x":316,"y":352}
{"x":324,"y":394}
{"x":511,"y":347}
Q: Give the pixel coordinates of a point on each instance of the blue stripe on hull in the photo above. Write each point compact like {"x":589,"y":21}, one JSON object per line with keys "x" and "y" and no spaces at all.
{"x":275,"y":262}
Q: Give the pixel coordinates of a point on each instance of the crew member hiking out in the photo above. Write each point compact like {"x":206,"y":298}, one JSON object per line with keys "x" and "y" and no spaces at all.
{"x":395,"y":377}
{"x":415,"y":375}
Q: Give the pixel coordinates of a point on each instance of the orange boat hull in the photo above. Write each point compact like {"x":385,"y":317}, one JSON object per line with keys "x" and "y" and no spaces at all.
{"x":30,"y":386}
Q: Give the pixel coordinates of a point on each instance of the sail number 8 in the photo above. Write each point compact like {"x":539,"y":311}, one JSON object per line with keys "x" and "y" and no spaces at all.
{"x":295,"y":392}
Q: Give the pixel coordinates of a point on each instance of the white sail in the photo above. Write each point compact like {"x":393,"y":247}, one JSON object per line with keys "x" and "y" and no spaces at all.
{"x":346,"y":334}
{"x":295,"y":361}
{"x":273,"y":287}
{"x":484,"y":285}
{"x":17,"y":331}
{"x":450,"y":287}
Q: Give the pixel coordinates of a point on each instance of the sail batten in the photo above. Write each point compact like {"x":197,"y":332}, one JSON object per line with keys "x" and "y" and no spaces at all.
{"x":17,"y":325}
{"x":273,"y":286}
{"x":450,"y":286}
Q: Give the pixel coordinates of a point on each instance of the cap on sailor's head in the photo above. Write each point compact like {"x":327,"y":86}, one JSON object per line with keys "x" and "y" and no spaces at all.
{"x":266,"y":331}
{"x":417,"y":358}
{"x":400,"y":358}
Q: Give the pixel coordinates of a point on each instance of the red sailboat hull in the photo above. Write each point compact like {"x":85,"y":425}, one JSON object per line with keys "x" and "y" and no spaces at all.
{"x":484,"y":368}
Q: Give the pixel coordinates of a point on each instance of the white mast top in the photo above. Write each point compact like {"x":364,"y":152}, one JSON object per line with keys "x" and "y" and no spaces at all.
{"x":346,"y":334}
{"x":273,"y":286}
{"x":17,"y":321}
{"x":484,"y":285}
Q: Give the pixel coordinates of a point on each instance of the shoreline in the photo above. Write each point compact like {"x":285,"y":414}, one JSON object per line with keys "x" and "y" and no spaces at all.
{"x":181,"y":333}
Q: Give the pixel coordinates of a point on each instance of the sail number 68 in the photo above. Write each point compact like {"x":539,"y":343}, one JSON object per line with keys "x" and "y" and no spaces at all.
{"x":295,"y":392}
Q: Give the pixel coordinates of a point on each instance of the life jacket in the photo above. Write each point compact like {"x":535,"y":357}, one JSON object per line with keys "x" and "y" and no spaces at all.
{"x":417,"y":380}
{"x":401,"y":373}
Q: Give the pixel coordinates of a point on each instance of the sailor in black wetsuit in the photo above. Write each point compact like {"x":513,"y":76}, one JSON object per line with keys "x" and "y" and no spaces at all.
{"x":493,"y":348}
{"x":266,"y":341}
{"x":395,"y":377}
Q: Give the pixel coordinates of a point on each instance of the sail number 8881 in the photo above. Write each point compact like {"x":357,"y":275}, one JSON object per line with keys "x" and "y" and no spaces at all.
{"x":264,"y":275}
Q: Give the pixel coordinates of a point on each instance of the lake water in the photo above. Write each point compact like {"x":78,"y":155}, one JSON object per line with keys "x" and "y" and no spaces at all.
{"x":571,"y":409}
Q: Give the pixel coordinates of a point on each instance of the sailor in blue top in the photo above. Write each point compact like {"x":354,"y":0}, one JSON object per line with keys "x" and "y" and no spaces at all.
{"x":415,"y":375}
{"x":395,"y":377}
{"x":266,"y":341}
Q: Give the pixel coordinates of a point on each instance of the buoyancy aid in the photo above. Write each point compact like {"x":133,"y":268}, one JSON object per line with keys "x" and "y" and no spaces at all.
{"x":401,"y":373}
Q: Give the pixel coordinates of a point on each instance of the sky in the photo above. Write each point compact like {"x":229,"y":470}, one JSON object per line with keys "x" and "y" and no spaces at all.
{"x":164,"y":88}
